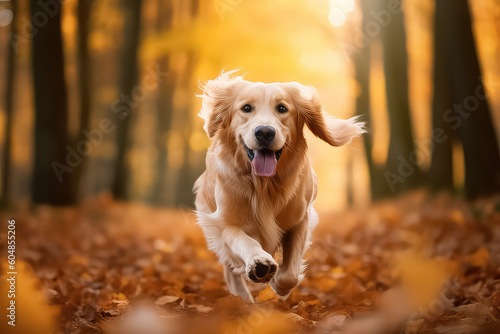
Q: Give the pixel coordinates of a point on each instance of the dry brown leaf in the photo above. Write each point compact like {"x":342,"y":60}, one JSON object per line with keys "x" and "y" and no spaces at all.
{"x":266,"y":294}
{"x":167,"y":300}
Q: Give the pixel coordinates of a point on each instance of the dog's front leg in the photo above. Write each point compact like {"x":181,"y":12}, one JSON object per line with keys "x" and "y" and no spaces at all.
{"x":290,"y":273}
{"x":259,"y":265}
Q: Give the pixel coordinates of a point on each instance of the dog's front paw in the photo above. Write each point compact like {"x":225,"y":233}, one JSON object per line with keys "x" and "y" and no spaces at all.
{"x":282,"y":285}
{"x":261,"y":269}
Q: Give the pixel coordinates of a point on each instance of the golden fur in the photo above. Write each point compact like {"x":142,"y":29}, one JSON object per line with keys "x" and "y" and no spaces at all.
{"x":246,"y":218}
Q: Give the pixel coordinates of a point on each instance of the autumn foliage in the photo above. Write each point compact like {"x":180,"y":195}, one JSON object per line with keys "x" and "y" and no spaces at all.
{"x":418,"y":265}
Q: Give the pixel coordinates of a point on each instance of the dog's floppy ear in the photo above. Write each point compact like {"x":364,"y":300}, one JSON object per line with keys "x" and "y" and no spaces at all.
{"x":217,"y":100}
{"x":334,"y":131}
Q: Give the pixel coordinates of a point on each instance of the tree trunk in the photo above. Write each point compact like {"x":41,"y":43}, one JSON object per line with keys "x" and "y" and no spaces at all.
{"x":361,"y":60}
{"x":166,"y":87}
{"x":441,"y":169}
{"x":401,"y":145}
{"x":468,"y":111}
{"x":129,"y":76}
{"x":52,"y":182}
{"x":9,"y":110}
{"x":84,"y":70}
{"x":187,"y":177}
{"x":185,"y":180}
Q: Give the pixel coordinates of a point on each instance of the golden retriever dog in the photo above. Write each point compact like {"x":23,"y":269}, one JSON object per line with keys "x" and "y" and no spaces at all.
{"x":256,"y":195}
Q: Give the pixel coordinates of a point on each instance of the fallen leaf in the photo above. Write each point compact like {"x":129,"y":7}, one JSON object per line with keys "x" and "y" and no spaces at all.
{"x":167,"y":300}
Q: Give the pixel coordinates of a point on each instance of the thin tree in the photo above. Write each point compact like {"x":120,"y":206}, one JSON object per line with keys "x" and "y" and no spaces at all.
{"x":84,"y":75}
{"x":164,"y":107}
{"x":186,"y":177}
{"x":128,"y":79}
{"x":361,"y":61}
{"x":441,"y":169}
{"x":187,"y":174}
{"x":51,"y":113}
{"x":9,"y":109}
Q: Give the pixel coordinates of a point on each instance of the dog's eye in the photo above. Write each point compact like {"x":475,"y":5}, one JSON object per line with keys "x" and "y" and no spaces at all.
{"x":246,"y":108}
{"x":282,"y":109}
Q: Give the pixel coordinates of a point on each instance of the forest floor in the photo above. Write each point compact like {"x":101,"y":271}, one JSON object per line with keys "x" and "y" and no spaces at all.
{"x":414,"y":265}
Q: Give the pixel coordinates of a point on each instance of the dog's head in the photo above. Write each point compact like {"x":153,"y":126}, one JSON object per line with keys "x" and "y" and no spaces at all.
{"x":265,"y":121}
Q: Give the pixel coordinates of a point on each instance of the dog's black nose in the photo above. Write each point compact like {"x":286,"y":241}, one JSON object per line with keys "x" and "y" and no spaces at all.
{"x":264,"y":134}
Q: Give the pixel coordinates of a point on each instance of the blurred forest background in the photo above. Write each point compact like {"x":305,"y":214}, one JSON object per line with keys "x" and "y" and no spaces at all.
{"x":99,"y":96}
{"x":98,"y":119}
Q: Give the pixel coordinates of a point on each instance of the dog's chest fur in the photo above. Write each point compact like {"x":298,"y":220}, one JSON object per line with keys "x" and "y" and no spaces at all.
{"x":257,"y":210}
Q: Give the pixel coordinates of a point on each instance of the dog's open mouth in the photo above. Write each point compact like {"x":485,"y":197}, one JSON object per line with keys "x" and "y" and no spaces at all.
{"x":264,"y":161}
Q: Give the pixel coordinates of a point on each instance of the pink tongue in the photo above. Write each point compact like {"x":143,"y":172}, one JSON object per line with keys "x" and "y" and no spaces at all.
{"x":264,"y":162}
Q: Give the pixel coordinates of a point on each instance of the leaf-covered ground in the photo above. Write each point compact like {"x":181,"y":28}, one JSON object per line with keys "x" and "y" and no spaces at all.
{"x":412,"y":265}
